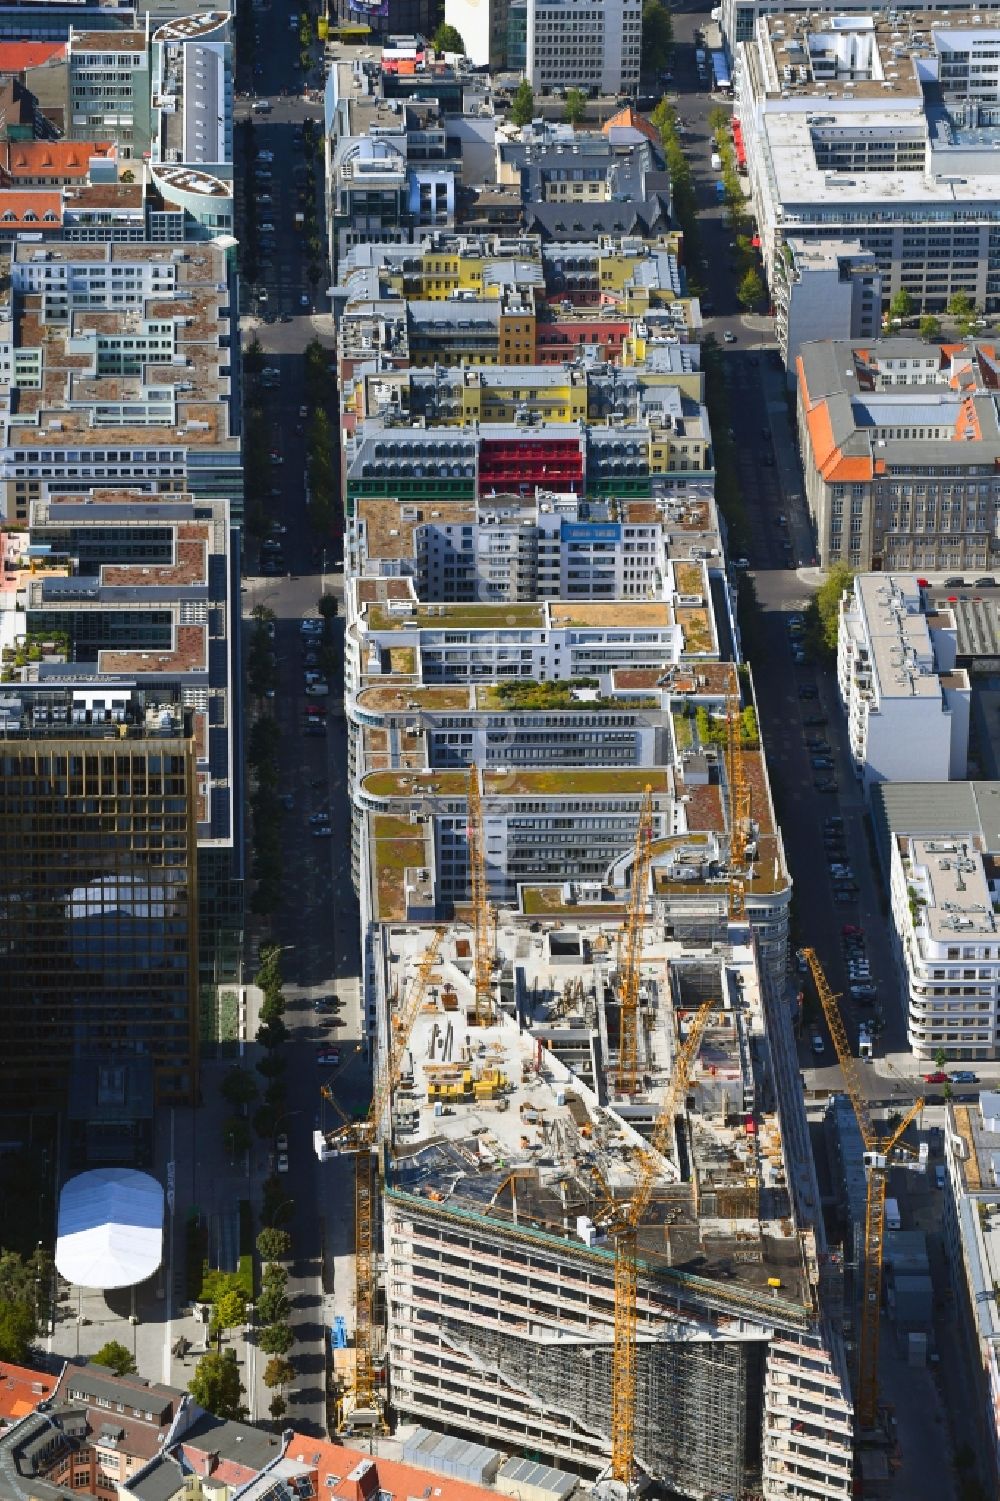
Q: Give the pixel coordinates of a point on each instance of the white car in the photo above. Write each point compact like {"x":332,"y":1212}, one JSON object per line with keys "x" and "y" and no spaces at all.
{"x":267,"y":228}
{"x":282,"y":1162}
{"x":729,"y":337}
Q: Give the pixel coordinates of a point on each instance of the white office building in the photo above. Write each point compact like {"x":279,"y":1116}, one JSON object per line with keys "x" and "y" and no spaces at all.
{"x":906,"y":703}
{"x":880,"y":129}
{"x":947,"y":941}
{"x":592,"y":45}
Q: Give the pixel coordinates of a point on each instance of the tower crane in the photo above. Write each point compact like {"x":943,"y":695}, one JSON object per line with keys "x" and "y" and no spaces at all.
{"x":622,"y":1223}
{"x":878,"y":1157}
{"x":740,"y":828}
{"x":482,"y":915}
{"x":630,"y":951}
{"x":360,"y":1138}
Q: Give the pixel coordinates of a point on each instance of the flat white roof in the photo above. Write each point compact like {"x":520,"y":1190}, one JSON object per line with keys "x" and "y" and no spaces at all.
{"x":110,"y":1228}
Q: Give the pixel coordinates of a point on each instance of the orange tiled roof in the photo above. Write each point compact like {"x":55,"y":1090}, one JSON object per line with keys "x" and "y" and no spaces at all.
{"x":16,"y":56}
{"x":21,"y":1390}
{"x":351,"y":1475}
{"x":53,"y":158}
{"x":30,"y":210}
{"x":630,"y":117}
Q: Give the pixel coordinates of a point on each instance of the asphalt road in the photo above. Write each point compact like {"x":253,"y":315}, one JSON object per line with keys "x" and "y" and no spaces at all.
{"x":318,"y":921}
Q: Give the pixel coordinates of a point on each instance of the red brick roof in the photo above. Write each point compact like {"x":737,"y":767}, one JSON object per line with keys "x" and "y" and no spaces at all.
{"x":59,"y":159}
{"x":16,"y":56}
{"x":42,"y":209}
{"x":352,"y":1475}
{"x":21,"y":1390}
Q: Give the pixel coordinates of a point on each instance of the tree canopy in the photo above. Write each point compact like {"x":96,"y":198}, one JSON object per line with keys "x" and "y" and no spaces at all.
{"x":448,"y":38}
{"x":117,"y":1357}
{"x":575,"y":105}
{"x":215,"y":1385}
{"x":657,"y":36}
{"x":522,"y":106}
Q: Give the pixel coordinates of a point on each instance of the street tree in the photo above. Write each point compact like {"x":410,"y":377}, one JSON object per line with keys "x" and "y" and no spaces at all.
{"x":271,"y":1034}
{"x":962,"y":309}
{"x":930,"y":327}
{"x":271,"y":1065}
{"x":117,"y":1357}
{"x":575,"y":106}
{"x":277,"y":1407}
{"x":276,"y":1339}
{"x":328,"y":605}
{"x":231,"y":1310}
{"x":657,"y":36}
{"x":901,"y":304}
{"x":17,"y":1330}
{"x":278,"y":1372}
{"x":238,"y":1086}
{"x":827,"y":602}
{"x":273,"y":1245}
{"x":215,"y":1385}
{"x":751,"y":289}
{"x":522,"y":106}
{"x":448,"y":38}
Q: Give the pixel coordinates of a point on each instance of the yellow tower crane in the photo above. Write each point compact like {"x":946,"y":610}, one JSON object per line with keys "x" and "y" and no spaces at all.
{"x":482,"y":915}
{"x":622,"y":1222}
{"x":878,"y":1156}
{"x":630,"y":951}
{"x":360,"y":1138}
{"x":740,"y":826}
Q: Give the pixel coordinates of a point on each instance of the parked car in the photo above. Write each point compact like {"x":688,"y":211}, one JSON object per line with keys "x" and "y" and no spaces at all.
{"x":329,"y":1058}
{"x":964,"y":1076}
{"x":937,"y":1077}
{"x":817,"y":1044}
{"x":821,"y":763}
{"x":282,"y":1162}
{"x":812,"y":721}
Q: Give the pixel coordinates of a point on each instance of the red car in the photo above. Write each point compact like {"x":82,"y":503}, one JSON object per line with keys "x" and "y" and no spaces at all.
{"x":936,"y":1078}
{"x":851,"y":930}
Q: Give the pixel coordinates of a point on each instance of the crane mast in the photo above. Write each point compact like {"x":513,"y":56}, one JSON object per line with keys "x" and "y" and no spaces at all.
{"x":481,"y":912}
{"x":630,"y":951}
{"x":878,"y":1160}
{"x":361,"y":1139}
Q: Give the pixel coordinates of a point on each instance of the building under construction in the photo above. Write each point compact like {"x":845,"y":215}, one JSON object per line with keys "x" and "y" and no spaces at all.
{"x":509,"y":1138}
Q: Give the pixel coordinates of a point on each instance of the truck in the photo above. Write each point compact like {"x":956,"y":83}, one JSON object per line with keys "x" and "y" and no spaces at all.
{"x":716,"y":162}
{"x":892,"y":1220}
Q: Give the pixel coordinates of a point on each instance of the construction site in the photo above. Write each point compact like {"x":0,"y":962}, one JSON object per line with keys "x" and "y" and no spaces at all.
{"x":601,"y":1245}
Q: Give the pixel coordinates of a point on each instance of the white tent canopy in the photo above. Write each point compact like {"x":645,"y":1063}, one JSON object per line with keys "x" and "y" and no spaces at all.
{"x":110,"y":1228}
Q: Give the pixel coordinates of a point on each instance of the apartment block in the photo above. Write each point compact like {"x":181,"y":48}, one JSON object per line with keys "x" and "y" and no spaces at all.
{"x":593,"y":45}
{"x":389,"y":171}
{"x":483,"y":433}
{"x":899,"y":442}
{"x":878,"y":129}
{"x":554,"y":546}
{"x":109,"y":92}
{"x":944,"y":896}
{"x":972,"y":1240}
{"x":492,"y":1189}
{"x":906,"y":702}
{"x":120,"y":372}
{"x":824,"y":290}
